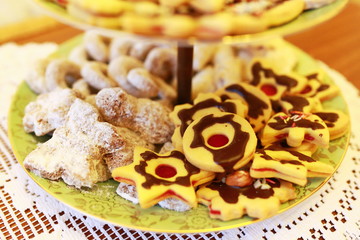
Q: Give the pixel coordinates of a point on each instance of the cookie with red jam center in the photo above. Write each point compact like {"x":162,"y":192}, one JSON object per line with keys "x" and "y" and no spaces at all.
{"x":161,"y":176}
{"x":220,"y":142}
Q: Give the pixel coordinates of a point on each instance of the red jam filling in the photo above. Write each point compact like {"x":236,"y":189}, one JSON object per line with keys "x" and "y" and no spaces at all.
{"x":307,"y":89}
{"x":214,"y":212}
{"x":281,"y":136}
{"x":218,"y":140}
{"x":165,"y":171}
{"x":269,"y":89}
{"x":309,"y":138}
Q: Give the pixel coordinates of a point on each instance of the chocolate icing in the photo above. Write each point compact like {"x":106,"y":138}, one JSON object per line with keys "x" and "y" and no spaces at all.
{"x":290,"y":122}
{"x":298,"y":103}
{"x":257,"y":70}
{"x":229,"y":155}
{"x":300,"y":156}
{"x":255,"y":104}
{"x":230,"y":194}
{"x":153,"y":180}
{"x":329,"y":118}
{"x":186,"y":115}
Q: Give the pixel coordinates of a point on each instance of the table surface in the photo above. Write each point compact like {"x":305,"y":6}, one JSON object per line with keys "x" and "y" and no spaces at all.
{"x":335,"y":42}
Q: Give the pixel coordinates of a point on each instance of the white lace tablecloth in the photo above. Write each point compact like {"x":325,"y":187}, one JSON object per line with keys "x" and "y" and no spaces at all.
{"x":27,"y":212}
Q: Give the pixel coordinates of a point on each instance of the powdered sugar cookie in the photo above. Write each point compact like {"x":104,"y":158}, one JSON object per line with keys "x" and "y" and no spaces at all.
{"x":35,"y":78}
{"x":161,"y":62}
{"x":49,"y":111}
{"x":82,"y":142}
{"x":148,"y":118}
{"x":97,"y":46}
{"x":120,"y":46}
{"x":95,"y":74}
{"x":61,"y":73}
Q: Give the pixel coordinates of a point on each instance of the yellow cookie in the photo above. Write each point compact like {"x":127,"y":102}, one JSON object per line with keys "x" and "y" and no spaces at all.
{"x":161,"y":176}
{"x":259,"y":105}
{"x":336,"y":121}
{"x":204,"y":104}
{"x":296,"y":127}
{"x":291,"y":166}
{"x":317,"y":88}
{"x":220,"y":142}
{"x":259,"y":200}
{"x":297,"y":103}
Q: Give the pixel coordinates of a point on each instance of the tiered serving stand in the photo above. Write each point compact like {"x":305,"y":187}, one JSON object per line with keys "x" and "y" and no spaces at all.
{"x":113,"y":209}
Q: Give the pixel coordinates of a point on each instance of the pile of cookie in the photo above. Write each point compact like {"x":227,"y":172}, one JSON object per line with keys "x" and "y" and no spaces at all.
{"x":203,"y":19}
{"x":239,"y":148}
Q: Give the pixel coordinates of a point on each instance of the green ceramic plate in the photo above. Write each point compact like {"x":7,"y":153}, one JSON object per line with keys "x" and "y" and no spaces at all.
{"x":104,"y":204}
{"x":306,"y":20}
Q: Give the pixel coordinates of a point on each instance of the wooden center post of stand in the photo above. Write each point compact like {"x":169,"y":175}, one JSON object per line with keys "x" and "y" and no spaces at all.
{"x":184,"y":72}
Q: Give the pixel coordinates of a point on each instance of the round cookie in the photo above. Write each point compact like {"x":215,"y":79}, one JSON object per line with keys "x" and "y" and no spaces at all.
{"x":206,"y":103}
{"x":220,"y":142}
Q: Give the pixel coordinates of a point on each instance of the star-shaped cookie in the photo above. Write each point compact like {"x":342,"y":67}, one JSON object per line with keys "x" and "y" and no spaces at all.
{"x":161,"y":176}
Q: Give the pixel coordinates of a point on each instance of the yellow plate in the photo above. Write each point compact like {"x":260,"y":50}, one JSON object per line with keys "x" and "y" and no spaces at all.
{"x":307,"y":19}
{"x":104,"y":204}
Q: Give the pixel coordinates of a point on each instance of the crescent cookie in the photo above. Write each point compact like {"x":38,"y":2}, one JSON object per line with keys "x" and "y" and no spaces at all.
{"x":259,"y":200}
{"x":183,"y":115}
{"x":158,"y":177}
{"x":219,"y":142}
{"x":291,"y":166}
{"x":259,"y":105}
{"x":296,"y":127}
